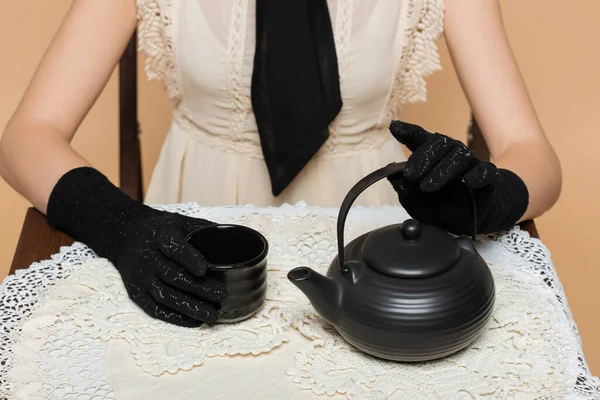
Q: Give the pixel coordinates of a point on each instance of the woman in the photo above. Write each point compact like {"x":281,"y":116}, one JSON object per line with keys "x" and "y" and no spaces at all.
{"x":274,"y":102}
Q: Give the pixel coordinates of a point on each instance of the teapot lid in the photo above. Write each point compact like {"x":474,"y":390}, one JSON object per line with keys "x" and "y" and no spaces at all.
{"x":410,"y":250}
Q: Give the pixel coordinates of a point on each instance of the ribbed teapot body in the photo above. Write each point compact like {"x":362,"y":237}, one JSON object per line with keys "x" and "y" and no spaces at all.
{"x":412,"y":319}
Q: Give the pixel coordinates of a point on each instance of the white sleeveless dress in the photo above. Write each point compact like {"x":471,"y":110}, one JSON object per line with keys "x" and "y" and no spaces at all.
{"x":203,"y":51}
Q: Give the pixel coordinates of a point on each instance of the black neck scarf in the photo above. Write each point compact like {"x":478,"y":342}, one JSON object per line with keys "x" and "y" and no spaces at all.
{"x":295,"y":84}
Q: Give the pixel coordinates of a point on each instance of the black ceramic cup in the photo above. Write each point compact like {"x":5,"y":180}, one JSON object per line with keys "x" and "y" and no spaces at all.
{"x":237,"y":256}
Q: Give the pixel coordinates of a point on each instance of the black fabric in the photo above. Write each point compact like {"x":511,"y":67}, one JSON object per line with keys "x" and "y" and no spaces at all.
{"x":295,"y":84}
{"x":162,"y":273}
{"x":434,"y":187}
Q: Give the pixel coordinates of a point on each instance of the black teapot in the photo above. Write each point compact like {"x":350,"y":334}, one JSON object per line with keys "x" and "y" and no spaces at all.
{"x":405,"y":292}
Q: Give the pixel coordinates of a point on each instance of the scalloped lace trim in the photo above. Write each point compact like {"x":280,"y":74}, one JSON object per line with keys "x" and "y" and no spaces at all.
{"x":155,"y":40}
{"x":371,"y":141}
{"x":419,"y":56}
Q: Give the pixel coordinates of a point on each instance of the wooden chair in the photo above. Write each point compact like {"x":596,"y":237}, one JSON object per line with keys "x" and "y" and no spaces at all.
{"x":38,"y":241}
{"x":130,"y":162}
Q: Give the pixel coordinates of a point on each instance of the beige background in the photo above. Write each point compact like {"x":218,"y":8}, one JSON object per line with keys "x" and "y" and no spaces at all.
{"x":554,"y":43}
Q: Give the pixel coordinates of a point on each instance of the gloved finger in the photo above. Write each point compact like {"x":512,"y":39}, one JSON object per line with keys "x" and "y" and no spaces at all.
{"x":181,"y":302}
{"x":410,"y":135}
{"x":163,"y":313}
{"x":482,"y":175}
{"x":401,"y":185}
{"x":451,"y":167}
{"x":184,"y":254}
{"x":205,"y":288}
{"x":426,"y":157}
{"x":191,"y":223}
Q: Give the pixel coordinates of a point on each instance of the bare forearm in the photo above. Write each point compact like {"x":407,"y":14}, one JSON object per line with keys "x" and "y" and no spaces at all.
{"x":536,"y":163}
{"x":33,"y":156}
{"x":35,"y":149}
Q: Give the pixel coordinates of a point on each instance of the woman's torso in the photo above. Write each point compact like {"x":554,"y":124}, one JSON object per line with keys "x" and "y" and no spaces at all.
{"x":203,"y":51}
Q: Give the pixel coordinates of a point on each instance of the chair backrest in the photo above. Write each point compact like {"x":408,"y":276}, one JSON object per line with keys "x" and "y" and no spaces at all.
{"x":130,"y":162}
{"x":130,"y":165}
{"x":476,"y":141}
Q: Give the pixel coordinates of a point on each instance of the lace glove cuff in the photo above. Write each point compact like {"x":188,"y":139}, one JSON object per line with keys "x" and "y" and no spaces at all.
{"x":87,"y":206}
{"x":508,"y":204}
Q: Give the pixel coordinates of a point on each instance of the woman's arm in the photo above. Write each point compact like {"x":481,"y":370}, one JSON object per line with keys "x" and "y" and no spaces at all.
{"x":35,"y":149}
{"x":499,"y":99}
{"x":162,"y":273}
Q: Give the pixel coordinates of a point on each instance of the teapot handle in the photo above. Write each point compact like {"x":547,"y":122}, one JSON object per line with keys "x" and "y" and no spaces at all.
{"x":361,"y":186}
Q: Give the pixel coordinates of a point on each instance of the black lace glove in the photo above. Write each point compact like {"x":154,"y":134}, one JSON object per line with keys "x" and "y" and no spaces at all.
{"x":162,"y":273}
{"x":434,"y":187}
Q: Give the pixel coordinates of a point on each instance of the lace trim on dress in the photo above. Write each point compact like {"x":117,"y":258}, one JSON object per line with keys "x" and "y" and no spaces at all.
{"x":155,"y":40}
{"x":419,"y":56}
{"x":373,"y":140}
{"x":342,"y":35}
{"x":242,"y":104}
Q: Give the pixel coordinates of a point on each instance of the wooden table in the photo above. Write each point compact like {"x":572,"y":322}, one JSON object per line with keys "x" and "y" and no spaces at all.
{"x":38,"y":241}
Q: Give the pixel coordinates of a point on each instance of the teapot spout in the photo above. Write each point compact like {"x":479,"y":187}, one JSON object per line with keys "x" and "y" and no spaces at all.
{"x":324,"y":293}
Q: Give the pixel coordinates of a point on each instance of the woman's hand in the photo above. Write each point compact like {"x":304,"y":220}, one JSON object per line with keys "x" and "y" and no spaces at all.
{"x":162,"y":272}
{"x":439,"y":176}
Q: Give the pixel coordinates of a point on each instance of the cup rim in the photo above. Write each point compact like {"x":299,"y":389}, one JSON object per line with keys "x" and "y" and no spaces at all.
{"x":253,"y":261}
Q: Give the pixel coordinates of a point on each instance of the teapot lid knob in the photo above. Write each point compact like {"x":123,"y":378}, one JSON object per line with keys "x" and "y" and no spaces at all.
{"x":410,"y":250}
{"x":411,"y":229}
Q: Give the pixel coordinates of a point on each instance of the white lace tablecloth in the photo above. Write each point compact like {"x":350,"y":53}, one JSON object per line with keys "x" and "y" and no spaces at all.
{"x":69,"y":331}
